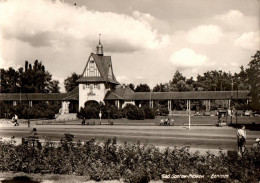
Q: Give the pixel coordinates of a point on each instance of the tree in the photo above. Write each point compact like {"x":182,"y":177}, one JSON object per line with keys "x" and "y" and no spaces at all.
{"x":160,"y":88}
{"x":35,"y":79}
{"x":132,"y":86}
{"x":253,"y":73}
{"x":177,"y":83}
{"x":142,"y":88}
{"x":214,"y":81}
{"x":70,"y":83}
{"x":31,"y":79}
{"x":9,"y":80}
{"x":54,"y":87}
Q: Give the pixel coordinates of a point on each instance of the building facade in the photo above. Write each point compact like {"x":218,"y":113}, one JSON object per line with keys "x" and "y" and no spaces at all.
{"x":98,"y":83}
{"x":97,"y":78}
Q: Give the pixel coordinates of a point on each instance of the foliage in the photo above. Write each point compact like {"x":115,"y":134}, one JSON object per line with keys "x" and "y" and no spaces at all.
{"x":132,"y":86}
{"x":39,"y":110}
{"x":163,"y":111}
{"x":30,"y":79}
{"x":142,"y":88}
{"x":92,"y":110}
{"x":133,"y":112}
{"x":70,"y":83}
{"x":149,"y":113}
{"x":160,"y":88}
{"x":253,"y":73}
{"x":133,"y":163}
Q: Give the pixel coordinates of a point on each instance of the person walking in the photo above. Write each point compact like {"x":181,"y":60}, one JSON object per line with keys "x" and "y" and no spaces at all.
{"x":16,"y":120}
{"x":241,"y":139}
{"x":83,"y":121}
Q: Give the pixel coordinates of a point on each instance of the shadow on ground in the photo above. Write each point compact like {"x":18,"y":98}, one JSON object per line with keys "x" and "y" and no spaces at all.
{"x":20,"y":179}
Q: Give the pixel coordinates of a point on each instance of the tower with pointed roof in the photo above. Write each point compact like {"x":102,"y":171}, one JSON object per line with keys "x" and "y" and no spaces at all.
{"x":97,"y":78}
{"x":99,"y":48}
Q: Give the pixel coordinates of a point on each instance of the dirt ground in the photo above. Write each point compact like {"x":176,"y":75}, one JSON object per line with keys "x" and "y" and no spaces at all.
{"x":49,"y":178}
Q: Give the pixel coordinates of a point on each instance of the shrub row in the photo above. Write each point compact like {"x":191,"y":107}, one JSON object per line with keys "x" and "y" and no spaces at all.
{"x":40,"y":110}
{"x":92,"y":110}
{"x":132,"y":162}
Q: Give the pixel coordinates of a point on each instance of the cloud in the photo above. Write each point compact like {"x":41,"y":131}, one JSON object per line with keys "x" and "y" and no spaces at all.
{"x":45,"y":23}
{"x":237,"y":20}
{"x":145,"y":17}
{"x":187,"y":58}
{"x":231,"y":17}
{"x":205,"y":34}
{"x":234,"y":64}
{"x":248,"y":41}
{"x":123,"y":79}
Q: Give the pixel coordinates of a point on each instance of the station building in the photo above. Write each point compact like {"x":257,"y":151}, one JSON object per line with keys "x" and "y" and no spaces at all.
{"x":98,"y":83}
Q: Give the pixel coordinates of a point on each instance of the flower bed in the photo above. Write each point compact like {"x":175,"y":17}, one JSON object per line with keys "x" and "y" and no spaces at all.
{"x":131,"y":162}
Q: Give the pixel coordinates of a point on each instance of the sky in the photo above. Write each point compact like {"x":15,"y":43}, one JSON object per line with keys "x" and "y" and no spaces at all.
{"x":148,"y":40}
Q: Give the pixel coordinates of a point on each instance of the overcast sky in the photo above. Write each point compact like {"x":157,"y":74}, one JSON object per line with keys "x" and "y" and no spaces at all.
{"x":148,"y":39}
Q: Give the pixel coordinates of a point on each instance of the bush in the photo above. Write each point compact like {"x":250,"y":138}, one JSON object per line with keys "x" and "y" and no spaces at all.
{"x":163,"y":111}
{"x":40,"y":110}
{"x":112,"y":111}
{"x":133,"y":112}
{"x":92,"y":110}
{"x":149,"y":113}
{"x":133,"y":163}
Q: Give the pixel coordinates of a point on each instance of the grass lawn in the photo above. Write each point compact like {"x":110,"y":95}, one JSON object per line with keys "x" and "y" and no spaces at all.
{"x":178,"y":121}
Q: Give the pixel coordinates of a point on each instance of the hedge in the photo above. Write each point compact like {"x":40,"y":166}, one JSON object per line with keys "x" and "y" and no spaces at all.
{"x":133,"y":163}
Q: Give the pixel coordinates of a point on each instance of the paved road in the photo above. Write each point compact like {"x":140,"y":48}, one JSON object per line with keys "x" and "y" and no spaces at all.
{"x":205,"y":137}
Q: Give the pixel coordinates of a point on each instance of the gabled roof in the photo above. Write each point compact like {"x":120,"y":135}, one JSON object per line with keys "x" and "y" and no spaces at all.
{"x":73,"y":95}
{"x":121,"y":92}
{"x":103,"y":63}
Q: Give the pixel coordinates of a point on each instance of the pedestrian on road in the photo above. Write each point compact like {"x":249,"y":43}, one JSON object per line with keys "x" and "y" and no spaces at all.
{"x":241,"y":139}
{"x":83,"y":121}
{"x":16,"y":120}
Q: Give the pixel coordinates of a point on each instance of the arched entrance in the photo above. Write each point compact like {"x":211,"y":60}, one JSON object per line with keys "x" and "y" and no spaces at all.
{"x":91,"y":102}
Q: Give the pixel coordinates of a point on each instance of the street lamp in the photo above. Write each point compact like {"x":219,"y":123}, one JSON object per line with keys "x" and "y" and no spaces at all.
{"x":28,"y":110}
{"x":108,"y":111}
{"x":231,"y":99}
{"x":237,"y":103}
